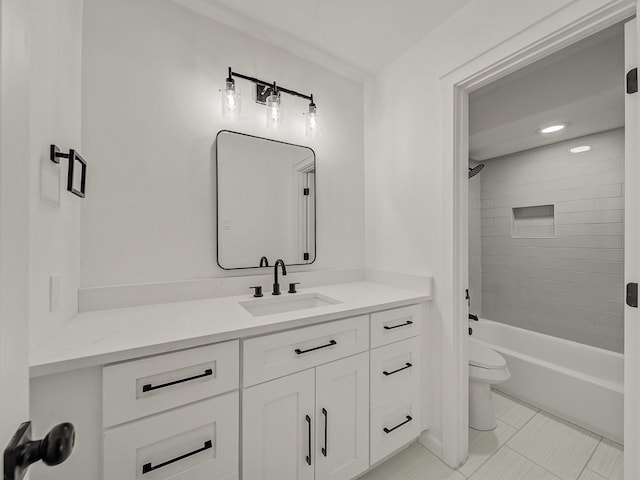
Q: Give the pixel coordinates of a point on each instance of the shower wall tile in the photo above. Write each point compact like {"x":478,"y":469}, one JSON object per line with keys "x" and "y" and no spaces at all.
{"x":609,"y":229}
{"x":597,"y":241}
{"x":569,"y":285}
{"x":614,"y":203}
{"x":599,"y":191}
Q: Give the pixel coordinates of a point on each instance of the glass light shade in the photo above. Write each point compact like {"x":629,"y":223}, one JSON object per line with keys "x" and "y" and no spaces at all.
{"x":313,"y":122}
{"x":230,"y":102}
{"x":274,"y":111}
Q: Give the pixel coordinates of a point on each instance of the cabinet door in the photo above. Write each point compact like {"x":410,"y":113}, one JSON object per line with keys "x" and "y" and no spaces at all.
{"x":277,"y":429}
{"x":342,"y":418}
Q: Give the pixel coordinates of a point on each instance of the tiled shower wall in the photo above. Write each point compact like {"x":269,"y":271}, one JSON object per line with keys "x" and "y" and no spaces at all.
{"x":569,"y":285}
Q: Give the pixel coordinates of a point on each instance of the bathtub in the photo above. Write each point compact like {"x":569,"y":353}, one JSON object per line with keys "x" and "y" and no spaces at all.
{"x":579,"y":383}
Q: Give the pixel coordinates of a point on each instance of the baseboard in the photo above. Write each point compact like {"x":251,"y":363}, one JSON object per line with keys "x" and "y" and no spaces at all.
{"x":431,"y":443}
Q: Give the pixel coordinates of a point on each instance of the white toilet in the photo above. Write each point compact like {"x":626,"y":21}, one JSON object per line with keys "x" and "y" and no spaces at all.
{"x":486,"y":368}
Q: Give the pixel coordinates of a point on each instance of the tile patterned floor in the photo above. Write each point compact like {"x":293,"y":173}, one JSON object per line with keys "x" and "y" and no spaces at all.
{"x":527,"y":444}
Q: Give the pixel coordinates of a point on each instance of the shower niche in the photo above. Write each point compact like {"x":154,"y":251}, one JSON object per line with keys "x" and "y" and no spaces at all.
{"x":536,"y":221}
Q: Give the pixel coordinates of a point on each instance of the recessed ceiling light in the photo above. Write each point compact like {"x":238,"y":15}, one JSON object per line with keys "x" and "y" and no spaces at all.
{"x":553,"y":128}
{"x":580,"y":149}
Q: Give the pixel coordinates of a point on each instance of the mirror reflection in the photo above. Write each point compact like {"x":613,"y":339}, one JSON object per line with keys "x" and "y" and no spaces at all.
{"x":266,"y":201}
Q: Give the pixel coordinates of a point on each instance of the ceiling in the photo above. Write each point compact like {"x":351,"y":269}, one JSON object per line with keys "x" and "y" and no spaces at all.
{"x":355,"y":38}
{"x":582,"y":85}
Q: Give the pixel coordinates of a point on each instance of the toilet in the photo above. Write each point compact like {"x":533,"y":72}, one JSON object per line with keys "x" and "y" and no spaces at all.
{"x":486,"y":368}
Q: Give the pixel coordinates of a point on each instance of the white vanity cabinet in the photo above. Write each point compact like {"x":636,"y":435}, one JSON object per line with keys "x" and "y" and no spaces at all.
{"x":196,"y":441}
{"x":313,"y":424}
{"x":325,"y":401}
{"x":168,"y":416}
{"x":396,"y":371}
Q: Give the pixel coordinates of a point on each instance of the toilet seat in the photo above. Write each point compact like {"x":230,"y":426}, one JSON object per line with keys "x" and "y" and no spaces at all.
{"x":483,"y":357}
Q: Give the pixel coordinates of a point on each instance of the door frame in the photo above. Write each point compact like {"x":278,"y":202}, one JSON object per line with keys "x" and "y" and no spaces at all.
{"x":569,"y":24}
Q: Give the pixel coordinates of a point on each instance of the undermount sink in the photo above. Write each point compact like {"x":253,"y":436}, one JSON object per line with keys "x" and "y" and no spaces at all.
{"x":287,"y":303}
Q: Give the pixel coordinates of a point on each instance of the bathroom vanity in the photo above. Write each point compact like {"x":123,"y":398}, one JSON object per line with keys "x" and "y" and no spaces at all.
{"x":320,"y":384}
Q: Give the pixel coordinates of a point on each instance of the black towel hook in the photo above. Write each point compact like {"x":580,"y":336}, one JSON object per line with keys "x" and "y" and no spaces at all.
{"x":73,"y":156}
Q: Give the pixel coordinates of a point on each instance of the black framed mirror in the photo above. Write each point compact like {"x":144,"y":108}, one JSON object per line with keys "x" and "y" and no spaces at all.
{"x":266,"y":201}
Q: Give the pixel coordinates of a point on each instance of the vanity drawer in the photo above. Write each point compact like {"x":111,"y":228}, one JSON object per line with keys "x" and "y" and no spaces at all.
{"x":150,"y":385}
{"x":395,"y":371}
{"x":393,"y":425}
{"x":280,"y":354}
{"x":393,"y":325}
{"x":196,"y":441}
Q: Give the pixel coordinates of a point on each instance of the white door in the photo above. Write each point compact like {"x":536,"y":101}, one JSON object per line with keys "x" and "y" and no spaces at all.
{"x":631,"y":264}
{"x":277,"y":429}
{"x":342,"y":418}
{"x":14,"y":201}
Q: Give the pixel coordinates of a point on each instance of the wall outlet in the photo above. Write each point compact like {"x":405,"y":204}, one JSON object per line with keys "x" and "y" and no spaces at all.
{"x":54,"y":292}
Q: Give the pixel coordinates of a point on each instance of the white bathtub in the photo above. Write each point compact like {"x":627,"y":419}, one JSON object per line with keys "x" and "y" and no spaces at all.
{"x":579,"y":383}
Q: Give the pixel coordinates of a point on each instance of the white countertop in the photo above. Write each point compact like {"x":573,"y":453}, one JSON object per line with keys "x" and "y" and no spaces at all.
{"x":106,"y":336}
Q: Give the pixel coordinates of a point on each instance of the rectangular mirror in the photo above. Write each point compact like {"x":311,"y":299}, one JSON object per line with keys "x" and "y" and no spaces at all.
{"x":266,"y":201}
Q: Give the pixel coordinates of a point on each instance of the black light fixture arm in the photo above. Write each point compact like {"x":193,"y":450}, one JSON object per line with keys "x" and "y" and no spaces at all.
{"x":270,"y":84}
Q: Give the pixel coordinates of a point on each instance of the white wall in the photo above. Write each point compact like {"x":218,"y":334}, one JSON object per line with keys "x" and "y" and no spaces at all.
{"x":54,"y":213}
{"x":152,"y":71}
{"x":404,"y":173}
{"x":570,"y":285}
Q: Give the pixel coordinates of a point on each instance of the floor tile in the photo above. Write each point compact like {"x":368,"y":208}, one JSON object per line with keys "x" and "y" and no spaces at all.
{"x":512,"y":411}
{"x":484,"y":444}
{"x":590,"y":475}
{"x":510,"y":465}
{"x":558,"y":446}
{"x":608,"y":460}
{"x":413,"y":463}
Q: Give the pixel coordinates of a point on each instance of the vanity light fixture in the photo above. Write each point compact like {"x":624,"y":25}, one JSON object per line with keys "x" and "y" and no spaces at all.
{"x":580,"y":149}
{"x":312,"y":128}
{"x":274,"y":108}
{"x":269,"y":94}
{"x":553,"y":128}
{"x":230,"y":99}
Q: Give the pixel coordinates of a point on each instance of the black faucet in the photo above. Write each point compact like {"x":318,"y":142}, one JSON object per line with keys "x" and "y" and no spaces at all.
{"x":264,"y":261}
{"x":276,"y":285}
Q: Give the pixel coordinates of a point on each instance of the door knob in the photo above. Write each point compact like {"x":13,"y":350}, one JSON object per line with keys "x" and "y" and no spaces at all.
{"x":53,"y":449}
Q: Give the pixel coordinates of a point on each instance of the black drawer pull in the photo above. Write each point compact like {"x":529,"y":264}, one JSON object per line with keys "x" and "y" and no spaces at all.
{"x":146,"y":468}
{"x":148,"y":387}
{"x":331,"y":343}
{"x":408,"y":322}
{"x":308,"y":419}
{"x":389,"y":430}
{"x":407,"y":365}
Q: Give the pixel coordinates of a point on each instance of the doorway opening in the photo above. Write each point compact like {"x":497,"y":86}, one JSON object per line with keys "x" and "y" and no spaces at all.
{"x":516,"y":53}
{"x":546,"y":258}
